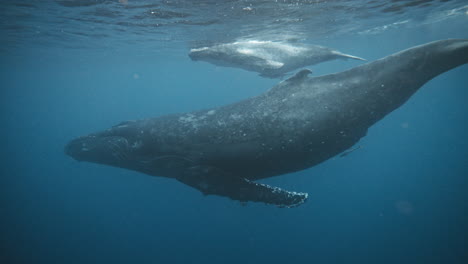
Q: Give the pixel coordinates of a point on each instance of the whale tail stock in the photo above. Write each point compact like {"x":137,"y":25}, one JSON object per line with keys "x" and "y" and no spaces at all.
{"x":445,"y":55}
{"x":392,"y":80}
{"x":210,"y":180}
{"x":429,"y":60}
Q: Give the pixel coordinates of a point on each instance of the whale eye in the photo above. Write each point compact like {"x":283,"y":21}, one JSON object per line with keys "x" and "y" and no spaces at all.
{"x":137,"y":144}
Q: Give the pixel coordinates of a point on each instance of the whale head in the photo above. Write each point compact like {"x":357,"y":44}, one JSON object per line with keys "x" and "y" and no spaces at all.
{"x":200,"y":53}
{"x":220,"y":55}
{"x":116,"y":146}
{"x":129,"y":145}
{"x":97,"y":148}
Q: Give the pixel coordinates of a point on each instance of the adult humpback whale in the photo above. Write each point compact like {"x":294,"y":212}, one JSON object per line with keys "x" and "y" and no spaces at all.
{"x":297,"y":124}
{"x":270,"y":59}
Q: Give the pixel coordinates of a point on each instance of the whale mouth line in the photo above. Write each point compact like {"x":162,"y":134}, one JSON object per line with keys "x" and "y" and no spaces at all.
{"x":118,"y":150}
{"x":94,"y":148}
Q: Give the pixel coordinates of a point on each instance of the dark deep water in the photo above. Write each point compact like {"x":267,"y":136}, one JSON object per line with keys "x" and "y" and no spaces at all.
{"x":401,"y":198}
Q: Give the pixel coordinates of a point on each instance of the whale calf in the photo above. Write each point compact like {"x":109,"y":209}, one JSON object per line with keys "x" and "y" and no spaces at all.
{"x":270,"y":59}
{"x":295,"y":125}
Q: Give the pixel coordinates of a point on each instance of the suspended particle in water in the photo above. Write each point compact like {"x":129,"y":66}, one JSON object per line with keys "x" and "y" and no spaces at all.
{"x":404,"y":125}
{"x":404,"y":207}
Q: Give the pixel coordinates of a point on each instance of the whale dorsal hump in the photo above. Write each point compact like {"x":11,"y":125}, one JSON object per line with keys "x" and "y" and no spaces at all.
{"x":299,"y":76}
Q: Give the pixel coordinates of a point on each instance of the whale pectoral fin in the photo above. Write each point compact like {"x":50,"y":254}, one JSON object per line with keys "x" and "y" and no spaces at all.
{"x":210,"y":180}
{"x":253,"y":58}
{"x":274,"y":64}
{"x":348,"y":56}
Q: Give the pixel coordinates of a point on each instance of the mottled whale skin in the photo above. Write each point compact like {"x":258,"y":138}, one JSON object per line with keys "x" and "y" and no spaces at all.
{"x":295,"y":125}
{"x":270,"y":59}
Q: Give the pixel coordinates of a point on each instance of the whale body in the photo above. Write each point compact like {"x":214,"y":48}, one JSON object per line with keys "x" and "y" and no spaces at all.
{"x":295,"y":125}
{"x":270,"y":59}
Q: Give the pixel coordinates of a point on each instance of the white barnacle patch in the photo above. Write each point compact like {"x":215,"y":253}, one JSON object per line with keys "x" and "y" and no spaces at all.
{"x":236,"y":116}
{"x":192,"y":120}
{"x":84,"y":147}
{"x":199,"y":49}
{"x":187,"y":118}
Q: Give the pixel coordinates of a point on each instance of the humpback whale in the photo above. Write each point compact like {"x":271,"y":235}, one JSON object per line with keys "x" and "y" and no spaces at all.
{"x":295,"y":125}
{"x":270,"y":59}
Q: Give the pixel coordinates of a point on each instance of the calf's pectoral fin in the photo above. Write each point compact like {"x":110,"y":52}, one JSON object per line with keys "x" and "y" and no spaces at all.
{"x":348,"y":56}
{"x":210,"y":180}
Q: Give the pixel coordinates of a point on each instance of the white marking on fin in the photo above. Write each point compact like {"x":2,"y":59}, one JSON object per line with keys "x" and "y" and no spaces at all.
{"x":275,"y":64}
{"x":348,"y":56}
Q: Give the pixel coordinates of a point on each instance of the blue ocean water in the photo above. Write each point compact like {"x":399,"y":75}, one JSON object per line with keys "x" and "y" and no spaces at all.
{"x":69,"y":68}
